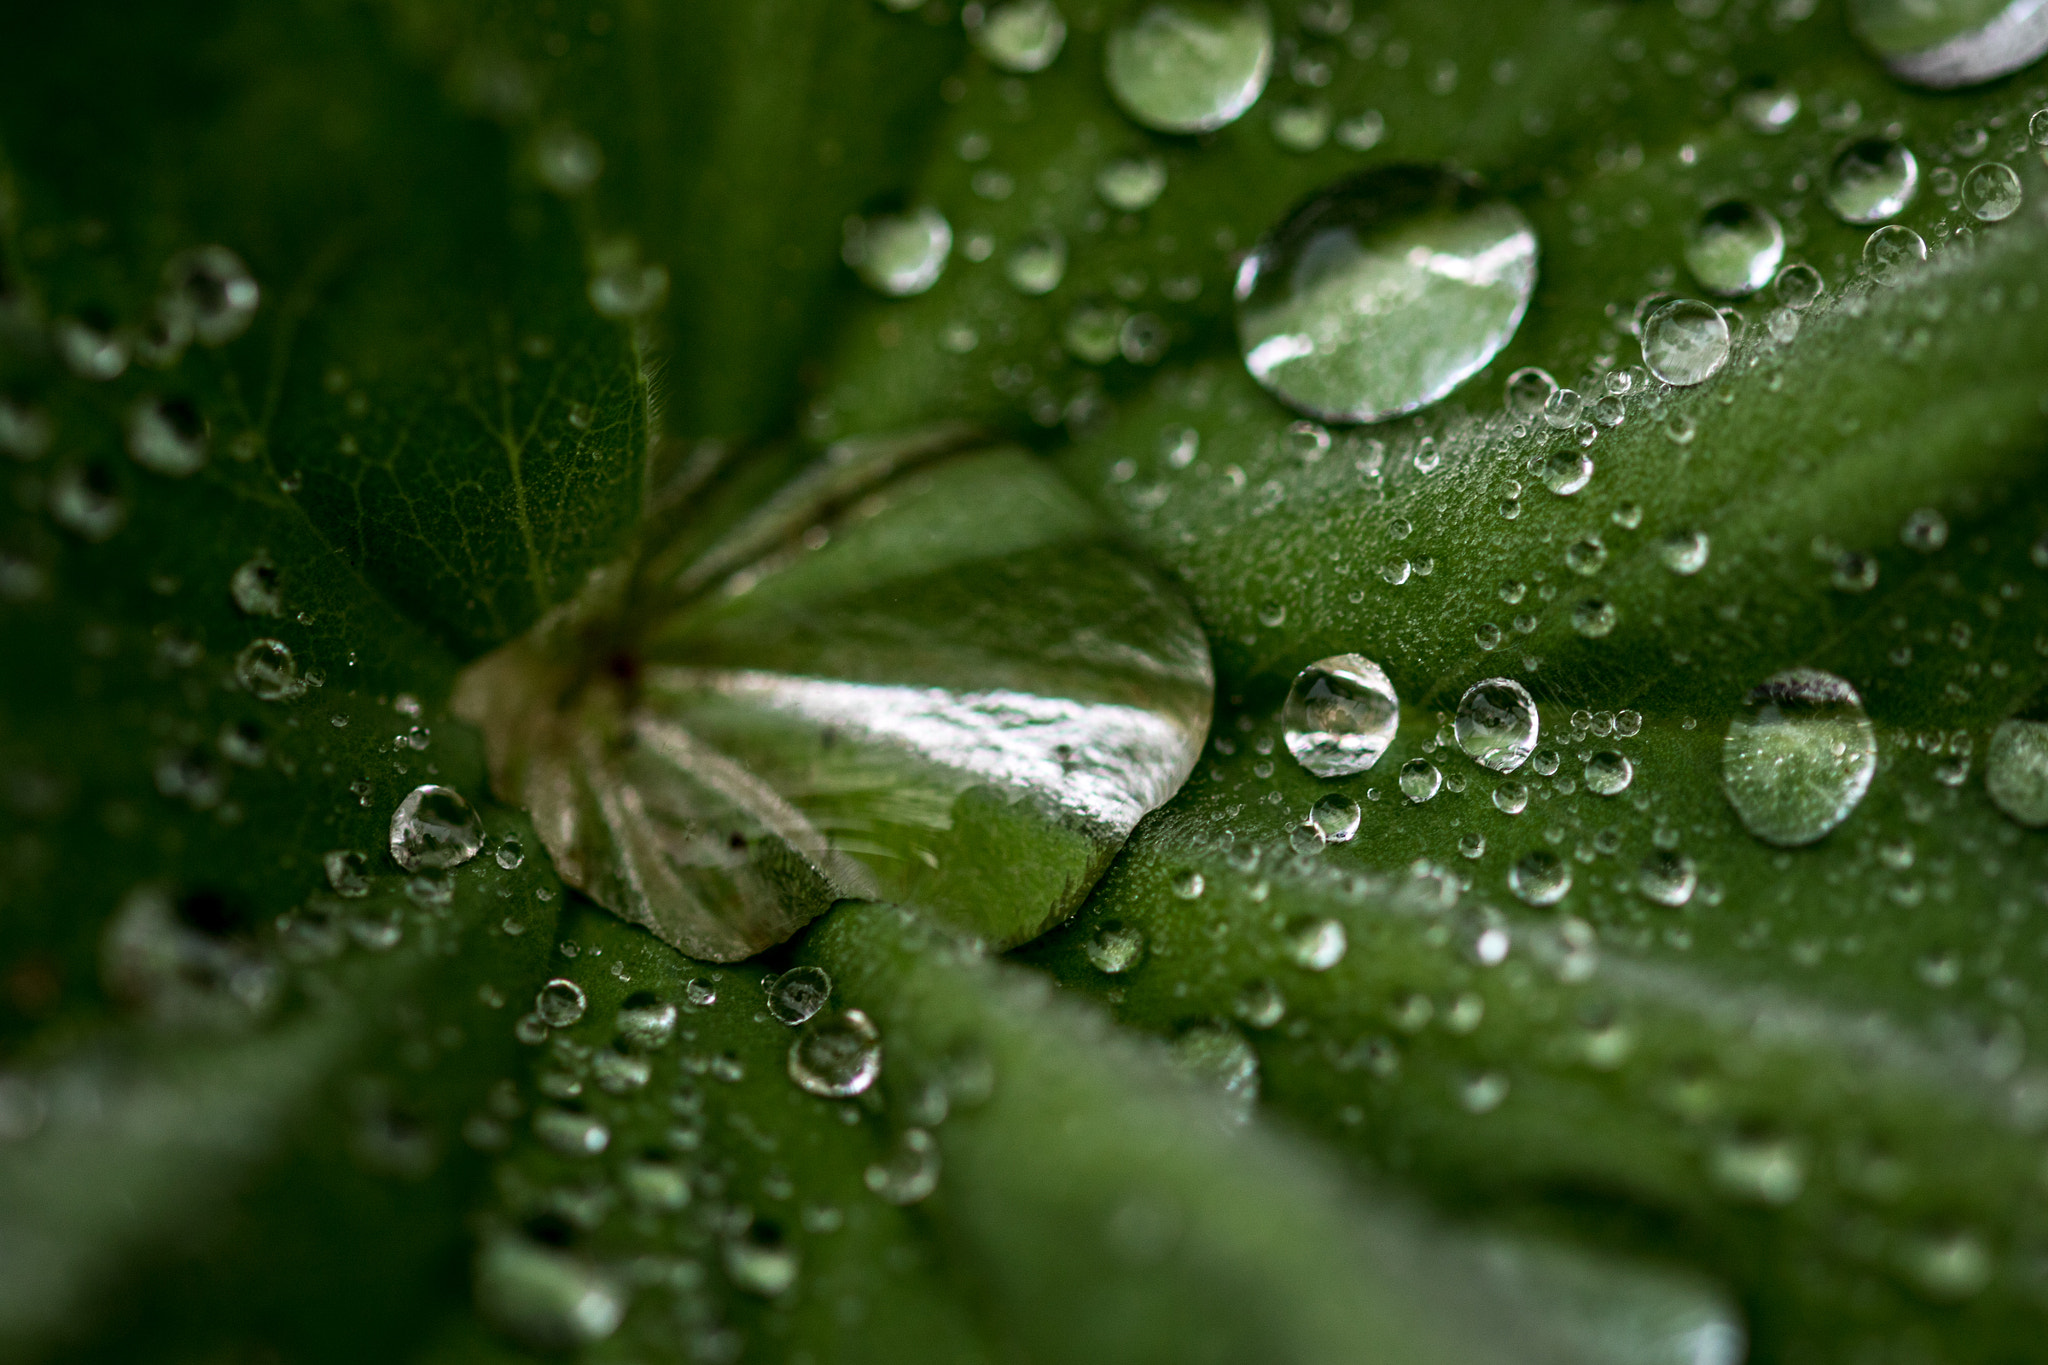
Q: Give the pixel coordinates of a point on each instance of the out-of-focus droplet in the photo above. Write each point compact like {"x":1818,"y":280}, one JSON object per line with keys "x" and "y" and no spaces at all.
{"x":837,"y":1056}
{"x":1798,"y":757}
{"x":899,"y":254}
{"x":1871,"y":180}
{"x":1017,"y":35}
{"x":1190,"y":66}
{"x":1734,"y":248}
{"x":1949,"y":44}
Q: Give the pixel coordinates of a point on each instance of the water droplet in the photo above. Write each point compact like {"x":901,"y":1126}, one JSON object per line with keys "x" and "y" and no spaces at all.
{"x":1594,"y":618}
{"x":1872,"y":180}
{"x":1668,"y":878}
{"x":435,"y":828}
{"x":760,"y":1261}
{"x":1685,"y":552}
{"x":1482,"y":1094}
{"x":1925,"y":529}
{"x":1528,"y":392}
{"x":1540,"y":877}
{"x":1362,"y":131}
{"x":1420,"y":780}
{"x":547,"y":1299}
{"x":623,"y":286}
{"x":1991,"y":192}
{"x":1759,"y":1171}
{"x":1587,"y":556}
{"x":89,"y":349}
{"x":654,"y":1182}
{"x":1335,"y":817}
{"x":213,"y":291}
{"x":837,"y":1056}
{"x":909,"y":1173}
{"x":1017,"y":35}
{"x":1797,"y":285}
{"x":1767,"y":109}
{"x":898,"y":254}
{"x":511,"y":853}
{"x":560,"y":1003}
{"x":266,"y":670}
{"x":570,"y":1133}
{"x":348,"y":872}
{"x":620,"y":1073}
{"x":1566,"y":472}
{"x":1734,"y":248}
{"x":799,"y":993}
{"x":1260,"y":1004}
{"x":167,"y":436}
{"x":1472,"y":845}
{"x":1497,"y":724}
{"x":1608,"y":773}
{"x":2016,"y":770}
{"x":1037,"y":264}
{"x":1799,"y":756}
{"x":1093,"y":333}
{"x":1188,"y":884}
{"x":1340,"y":716}
{"x":1685,"y":342}
{"x":1947,"y":44}
{"x":1316,"y":944}
{"x":1384,"y":294}
{"x":1115,"y":948}
{"x":1190,"y":66}
{"x":1302,"y":127}
{"x":1511,"y":798}
{"x":1131,"y":183}
{"x":1220,"y":1056}
{"x":1950,"y":1268}
{"x":1893,"y":253}
{"x":1563,"y":409}
{"x":254,"y":588}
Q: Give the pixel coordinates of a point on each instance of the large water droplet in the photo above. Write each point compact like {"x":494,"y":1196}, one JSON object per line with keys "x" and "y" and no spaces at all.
{"x":1497,"y":724}
{"x":799,"y":993}
{"x":1735,"y":247}
{"x":2016,"y":770}
{"x":1340,"y":715}
{"x":254,"y":587}
{"x":838,"y":1056}
{"x":1871,"y":180}
{"x":1991,"y":192}
{"x":1017,"y":35}
{"x":1685,"y":342}
{"x":1540,"y":877}
{"x":1945,"y":44}
{"x":1893,"y":253}
{"x":1799,"y":756}
{"x":435,"y":827}
{"x":1384,"y":294}
{"x":1608,"y":773}
{"x":1190,"y":66}
{"x":899,"y":254}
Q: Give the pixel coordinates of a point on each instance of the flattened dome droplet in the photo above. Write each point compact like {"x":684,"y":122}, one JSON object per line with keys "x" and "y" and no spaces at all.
{"x":1947,"y":44}
{"x":1340,"y":715}
{"x":1798,"y":757}
{"x":1497,"y":724}
{"x":1686,"y":342}
{"x":1734,"y":249}
{"x":1190,"y":66}
{"x":1871,"y":180}
{"x":1383,"y":294}
{"x":2016,"y":768}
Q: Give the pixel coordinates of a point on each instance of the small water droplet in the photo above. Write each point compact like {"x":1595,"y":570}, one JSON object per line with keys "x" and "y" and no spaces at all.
{"x":1316,"y":944}
{"x":348,"y":872}
{"x":1420,"y":780}
{"x":167,"y":436}
{"x":1871,"y":181}
{"x":560,"y":1003}
{"x":1991,"y":192}
{"x":1608,"y":773}
{"x":1799,"y":756}
{"x":1017,"y":35}
{"x":435,"y":828}
{"x":798,"y":994}
{"x":1950,"y":1268}
{"x":1667,"y":877}
{"x":571,"y":1133}
{"x":1220,"y":1056}
{"x":266,"y":670}
{"x":1529,"y":390}
{"x":1734,"y":248}
{"x":1260,"y":1004}
{"x":910,"y":1171}
{"x":213,"y":290}
{"x":1190,"y":66}
{"x":837,"y":1056}
{"x":646,"y":1021}
{"x":567,"y":161}
{"x":1767,"y":109}
{"x":760,"y":1260}
{"x":1539,"y":877}
{"x":1335,"y":817}
{"x":1340,"y":715}
{"x":1131,"y":184}
{"x":1684,"y":553}
{"x":898,"y":254}
{"x":1685,"y":342}
{"x":511,"y":853}
{"x":1511,"y":798}
{"x":1497,"y":724}
{"x":1038,"y":263}
{"x":1383,"y":294}
{"x":1566,"y":472}
{"x":1893,"y":253}
{"x":1188,"y":884}
{"x":1115,"y":948}
{"x":1594,"y":618}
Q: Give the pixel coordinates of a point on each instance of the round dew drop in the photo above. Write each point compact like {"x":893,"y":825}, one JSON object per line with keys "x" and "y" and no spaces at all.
{"x":435,"y":828}
{"x":1685,"y":342}
{"x":167,"y":436}
{"x":1316,"y":944}
{"x":838,"y":1056}
{"x":1735,"y":248}
{"x":798,"y":994}
{"x":1037,"y":264}
{"x":1894,"y":252}
{"x":1667,"y":878}
{"x":1497,"y":725}
{"x":560,"y":1003}
{"x":1540,"y":878}
{"x":1991,"y":192}
{"x":212,"y":289}
{"x":1798,"y":757}
{"x":1528,"y":392}
{"x":1017,"y":35}
{"x":546,"y":1299}
{"x":1190,"y":66}
{"x":646,"y":1022}
{"x":1340,"y":715}
{"x":2016,"y":770}
{"x":1420,"y":780}
{"x":266,"y":670}
{"x":1335,"y":817}
{"x":1115,"y":948}
{"x":1383,"y":294}
{"x":1871,"y":181}
{"x":1609,"y":773}
{"x":909,"y":1173}
{"x":1131,"y":184}
{"x":898,"y":254}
